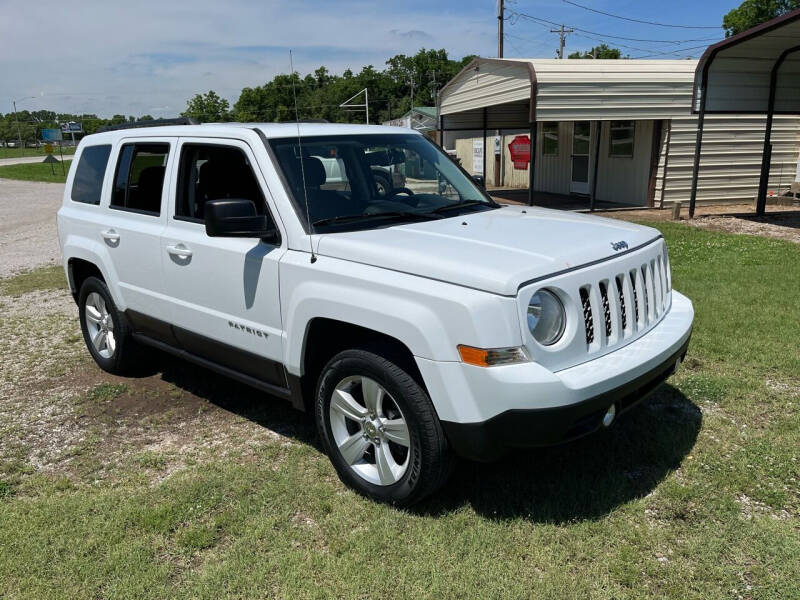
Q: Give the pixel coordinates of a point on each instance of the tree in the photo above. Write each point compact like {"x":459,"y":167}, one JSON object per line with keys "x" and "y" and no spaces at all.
{"x":601,"y":51}
{"x":208,"y":108}
{"x":754,"y":12}
{"x":320,"y":94}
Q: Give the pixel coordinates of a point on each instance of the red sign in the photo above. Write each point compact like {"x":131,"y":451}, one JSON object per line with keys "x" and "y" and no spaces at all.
{"x":520,"y":148}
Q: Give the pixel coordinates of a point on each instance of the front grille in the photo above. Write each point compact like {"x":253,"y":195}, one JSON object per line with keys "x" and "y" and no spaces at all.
{"x":588,"y":319}
{"x":645,"y":286}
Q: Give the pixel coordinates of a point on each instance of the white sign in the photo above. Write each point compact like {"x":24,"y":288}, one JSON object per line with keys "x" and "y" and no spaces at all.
{"x":497,"y":145}
{"x":477,"y":157}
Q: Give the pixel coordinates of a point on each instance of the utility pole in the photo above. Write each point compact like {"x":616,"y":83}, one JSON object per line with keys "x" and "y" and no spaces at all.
{"x":16,"y":117}
{"x":500,"y":15}
{"x":436,"y":104}
{"x":411,"y":83}
{"x":562,"y":36}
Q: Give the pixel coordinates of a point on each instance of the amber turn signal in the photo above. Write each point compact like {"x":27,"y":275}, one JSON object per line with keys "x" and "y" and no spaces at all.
{"x":490,"y":357}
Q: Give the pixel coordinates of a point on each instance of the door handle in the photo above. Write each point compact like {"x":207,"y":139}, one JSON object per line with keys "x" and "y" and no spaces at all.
{"x":110,"y":235}
{"x":179,"y":250}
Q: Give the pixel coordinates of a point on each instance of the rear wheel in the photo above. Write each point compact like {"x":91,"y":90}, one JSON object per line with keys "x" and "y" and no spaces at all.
{"x":380,"y":429}
{"x":105,"y":331}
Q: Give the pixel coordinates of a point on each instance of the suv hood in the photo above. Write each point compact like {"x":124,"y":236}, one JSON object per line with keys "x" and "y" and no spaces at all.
{"x":495,"y":250}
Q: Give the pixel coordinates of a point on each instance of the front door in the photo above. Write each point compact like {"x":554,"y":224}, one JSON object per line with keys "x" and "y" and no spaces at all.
{"x":581,"y":142}
{"x":224,"y":291}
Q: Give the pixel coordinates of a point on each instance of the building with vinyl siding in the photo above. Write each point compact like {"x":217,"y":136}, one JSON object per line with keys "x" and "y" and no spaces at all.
{"x":618,"y":131}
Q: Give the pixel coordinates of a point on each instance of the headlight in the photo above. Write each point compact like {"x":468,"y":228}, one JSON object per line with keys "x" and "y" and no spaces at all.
{"x":546,"y":317}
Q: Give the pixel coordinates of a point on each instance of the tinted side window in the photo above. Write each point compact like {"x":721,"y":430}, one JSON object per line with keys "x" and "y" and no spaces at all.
{"x":139,"y":180}
{"x":210,"y":172}
{"x":88,"y":180}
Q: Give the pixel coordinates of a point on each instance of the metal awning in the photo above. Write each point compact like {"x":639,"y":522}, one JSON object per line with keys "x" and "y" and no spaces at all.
{"x":754,"y":72}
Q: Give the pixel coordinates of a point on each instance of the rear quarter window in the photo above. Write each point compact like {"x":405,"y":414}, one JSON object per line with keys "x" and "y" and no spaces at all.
{"x":89,"y":175}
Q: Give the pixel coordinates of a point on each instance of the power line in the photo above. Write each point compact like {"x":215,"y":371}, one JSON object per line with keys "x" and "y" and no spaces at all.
{"x":649,"y":51}
{"x":679,"y":50}
{"x":608,"y":14}
{"x":607,"y":35}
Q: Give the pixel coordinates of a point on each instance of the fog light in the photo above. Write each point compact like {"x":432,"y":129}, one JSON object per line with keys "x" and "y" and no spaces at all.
{"x":608,"y":418}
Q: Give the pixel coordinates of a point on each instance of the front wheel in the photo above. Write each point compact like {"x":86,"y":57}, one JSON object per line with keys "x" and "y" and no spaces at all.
{"x":380,"y":429}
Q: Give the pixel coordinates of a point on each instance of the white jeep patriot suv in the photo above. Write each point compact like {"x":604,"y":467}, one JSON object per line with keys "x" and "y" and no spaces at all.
{"x":416,"y":324}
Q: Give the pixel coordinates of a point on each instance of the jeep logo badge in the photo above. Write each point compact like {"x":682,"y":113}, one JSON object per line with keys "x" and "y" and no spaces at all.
{"x":621,"y":245}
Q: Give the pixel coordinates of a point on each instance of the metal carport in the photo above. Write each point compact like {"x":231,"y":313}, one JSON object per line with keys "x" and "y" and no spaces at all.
{"x":754,"y":72}
{"x":492,"y":93}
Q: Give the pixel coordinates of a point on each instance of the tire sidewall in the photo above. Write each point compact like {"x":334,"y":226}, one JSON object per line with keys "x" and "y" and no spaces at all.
{"x":349,"y":364}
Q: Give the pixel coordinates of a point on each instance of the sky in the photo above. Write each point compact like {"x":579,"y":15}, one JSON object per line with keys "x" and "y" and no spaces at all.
{"x":148,"y":57}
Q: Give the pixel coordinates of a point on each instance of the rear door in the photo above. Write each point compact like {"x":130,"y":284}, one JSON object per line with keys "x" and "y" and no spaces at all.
{"x":224,"y":295}
{"x":581,"y":142}
{"x":135,"y":216}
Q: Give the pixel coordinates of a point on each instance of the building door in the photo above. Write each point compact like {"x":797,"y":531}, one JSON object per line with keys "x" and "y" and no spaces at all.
{"x":581,"y":142}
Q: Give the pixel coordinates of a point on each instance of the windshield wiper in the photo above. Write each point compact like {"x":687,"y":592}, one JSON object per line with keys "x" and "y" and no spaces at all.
{"x":464,"y":204}
{"x":382,"y":215}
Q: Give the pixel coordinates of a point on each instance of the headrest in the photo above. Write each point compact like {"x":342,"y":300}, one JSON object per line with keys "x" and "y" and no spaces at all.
{"x":314,"y":171}
{"x":151,"y":176}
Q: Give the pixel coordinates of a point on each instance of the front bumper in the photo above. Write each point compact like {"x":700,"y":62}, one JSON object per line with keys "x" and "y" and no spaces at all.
{"x":485,"y":412}
{"x":547,"y":426}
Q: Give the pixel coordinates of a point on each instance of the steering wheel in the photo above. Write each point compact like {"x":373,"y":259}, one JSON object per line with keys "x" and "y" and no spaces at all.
{"x":400,"y":190}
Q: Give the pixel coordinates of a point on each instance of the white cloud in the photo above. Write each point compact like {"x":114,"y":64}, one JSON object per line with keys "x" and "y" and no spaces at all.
{"x":150,"y":57}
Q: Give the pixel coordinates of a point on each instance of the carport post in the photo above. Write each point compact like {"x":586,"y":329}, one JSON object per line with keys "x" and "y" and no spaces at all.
{"x":532,"y":163}
{"x":698,"y":144}
{"x":484,"y":146}
{"x":596,"y":163}
{"x":766,"y":156}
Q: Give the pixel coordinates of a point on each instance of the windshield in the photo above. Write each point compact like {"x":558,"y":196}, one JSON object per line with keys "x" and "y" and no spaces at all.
{"x":374,"y":180}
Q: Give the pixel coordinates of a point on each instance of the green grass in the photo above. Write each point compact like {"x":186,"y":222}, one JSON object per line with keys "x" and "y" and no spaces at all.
{"x":22,"y":152}
{"x":51,"y":173}
{"x":43,"y":278}
{"x":695,"y":495}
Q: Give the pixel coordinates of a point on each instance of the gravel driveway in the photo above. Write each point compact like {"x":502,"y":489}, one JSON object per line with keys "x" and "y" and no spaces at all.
{"x":28,"y":236}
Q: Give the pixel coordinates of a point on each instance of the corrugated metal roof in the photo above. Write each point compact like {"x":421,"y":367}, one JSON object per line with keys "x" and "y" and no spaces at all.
{"x":738,"y":69}
{"x":568,"y":90}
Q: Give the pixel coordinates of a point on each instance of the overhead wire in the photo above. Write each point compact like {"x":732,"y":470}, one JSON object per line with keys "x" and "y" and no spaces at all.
{"x":607,"y":35}
{"x":643,"y":21}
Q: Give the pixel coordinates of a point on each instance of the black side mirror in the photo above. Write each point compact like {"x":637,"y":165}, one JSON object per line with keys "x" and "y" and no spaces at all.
{"x":237,"y":218}
{"x":479,"y":180}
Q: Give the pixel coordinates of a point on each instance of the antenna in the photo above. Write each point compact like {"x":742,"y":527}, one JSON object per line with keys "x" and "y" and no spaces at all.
{"x":302,"y":162}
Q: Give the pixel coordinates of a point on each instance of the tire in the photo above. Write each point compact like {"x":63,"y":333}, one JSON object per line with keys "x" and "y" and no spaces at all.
{"x":383,"y":184}
{"x":120,"y":353}
{"x":374,"y":461}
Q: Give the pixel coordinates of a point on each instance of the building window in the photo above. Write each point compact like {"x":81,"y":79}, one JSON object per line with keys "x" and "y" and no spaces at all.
{"x":621,"y":138}
{"x":550,"y":138}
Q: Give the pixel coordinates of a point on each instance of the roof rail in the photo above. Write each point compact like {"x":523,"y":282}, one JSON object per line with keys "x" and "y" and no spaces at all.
{"x":149,"y":123}
{"x":307,"y":121}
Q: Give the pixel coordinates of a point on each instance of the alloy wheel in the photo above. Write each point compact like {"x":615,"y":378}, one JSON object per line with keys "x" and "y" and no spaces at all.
{"x":370,"y":430}
{"x":100,"y":325}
